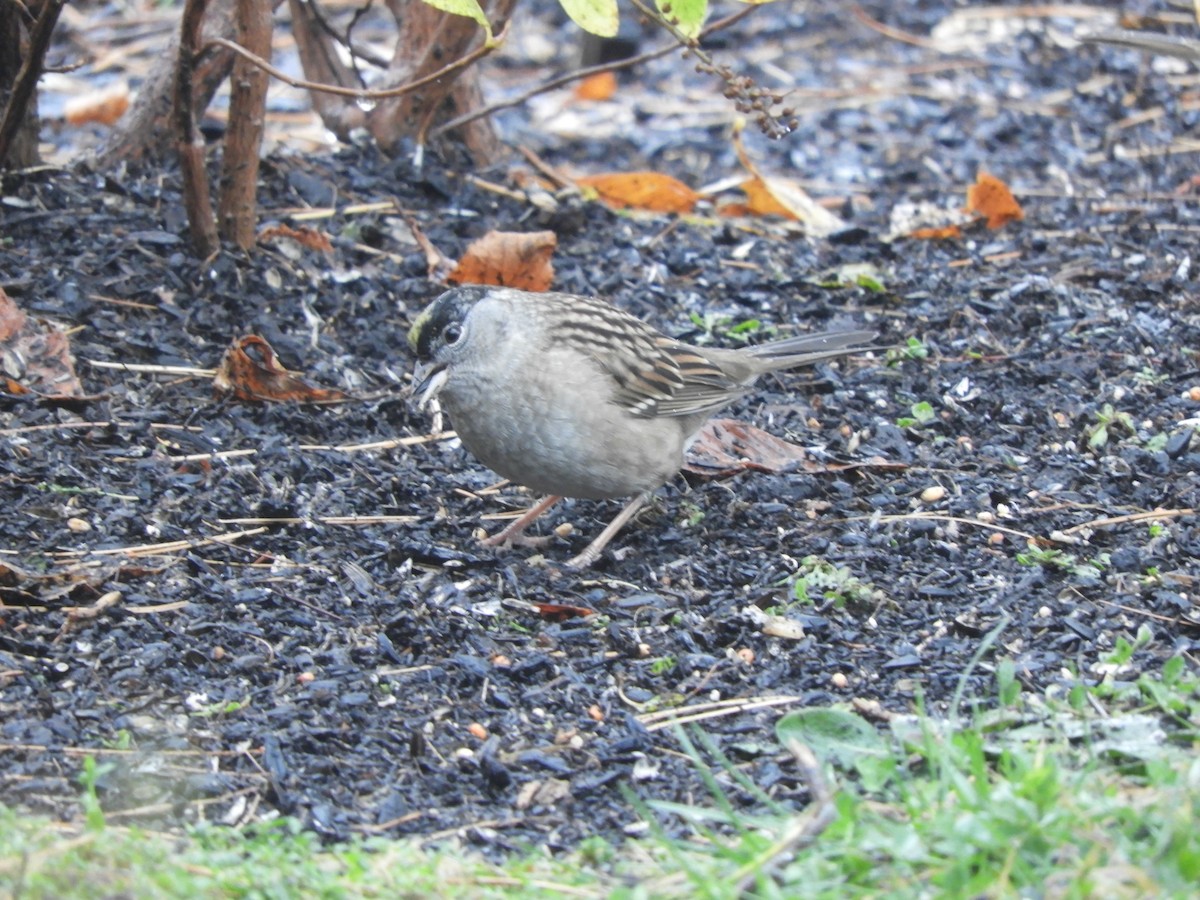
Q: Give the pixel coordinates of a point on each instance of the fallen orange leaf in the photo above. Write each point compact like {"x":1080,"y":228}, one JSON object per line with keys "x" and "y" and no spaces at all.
{"x":104,"y":106}
{"x":561,"y":612}
{"x":304,"y":236}
{"x":761,"y":201}
{"x":946,"y":232}
{"x":601,"y":86}
{"x":992,"y":199}
{"x":508,"y":258}
{"x":778,"y":196}
{"x":733,"y":210}
{"x":651,"y":191}
{"x":246,"y":377}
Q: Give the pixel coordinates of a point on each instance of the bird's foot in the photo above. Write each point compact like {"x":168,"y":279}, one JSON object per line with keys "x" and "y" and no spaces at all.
{"x":514,"y":535}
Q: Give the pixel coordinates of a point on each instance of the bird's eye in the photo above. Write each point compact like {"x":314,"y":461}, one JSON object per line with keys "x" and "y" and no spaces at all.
{"x":452,"y":333}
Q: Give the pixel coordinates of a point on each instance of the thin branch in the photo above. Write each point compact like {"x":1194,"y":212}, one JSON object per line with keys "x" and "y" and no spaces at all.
{"x":27,"y":78}
{"x":360,"y":93}
{"x":236,"y":201}
{"x":196,"y":199}
{"x":580,"y":74}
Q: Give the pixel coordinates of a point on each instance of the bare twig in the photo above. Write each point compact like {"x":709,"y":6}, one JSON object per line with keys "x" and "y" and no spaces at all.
{"x":1152,"y":515}
{"x":359,"y":93}
{"x":27,"y":78}
{"x":580,"y":74}
{"x":236,"y":203}
{"x":196,"y":199}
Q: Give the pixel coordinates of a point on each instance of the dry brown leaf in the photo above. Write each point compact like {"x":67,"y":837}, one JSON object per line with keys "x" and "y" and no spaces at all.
{"x":774,"y":195}
{"x":733,"y":210}
{"x":651,"y":191}
{"x":946,"y":232}
{"x":74,"y":580}
{"x":510,"y":259}
{"x":561,"y":612}
{"x":36,"y":355}
{"x":783,"y":627}
{"x":304,"y":236}
{"x":601,"y":86}
{"x":105,"y":106}
{"x":760,"y":201}
{"x":726,"y":446}
{"x":548,"y":793}
{"x":992,"y":199}
{"x":246,"y":377}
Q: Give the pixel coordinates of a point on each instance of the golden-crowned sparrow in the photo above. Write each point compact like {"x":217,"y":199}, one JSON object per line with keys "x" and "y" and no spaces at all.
{"x":573,"y":397}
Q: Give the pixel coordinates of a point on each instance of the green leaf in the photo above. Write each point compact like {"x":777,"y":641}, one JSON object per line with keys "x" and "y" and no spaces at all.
{"x":833,"y":735}
{"x":922,"y":413}
{"x":688,"y":15}
{"x":874,"y":285}
{"x":469,"y":8}
{"x":746,"y":327}
{"x":598,"y":17}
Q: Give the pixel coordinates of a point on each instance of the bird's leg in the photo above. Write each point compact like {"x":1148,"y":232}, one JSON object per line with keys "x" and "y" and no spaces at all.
{"x":592,"y":552}
{"x":512,"y":534}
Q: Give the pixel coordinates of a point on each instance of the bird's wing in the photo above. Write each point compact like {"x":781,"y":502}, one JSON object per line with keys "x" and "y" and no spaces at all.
{"x":652,"y":374}
{"x":701,"y":385}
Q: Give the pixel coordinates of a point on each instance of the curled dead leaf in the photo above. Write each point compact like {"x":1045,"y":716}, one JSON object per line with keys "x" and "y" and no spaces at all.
{"x":309,"y":238}
{"x":35,"y":355}
{"x":250,"y":370}
{"x":560,"y":612}
{"x":774,"y":195}
{"x":726,"y":446}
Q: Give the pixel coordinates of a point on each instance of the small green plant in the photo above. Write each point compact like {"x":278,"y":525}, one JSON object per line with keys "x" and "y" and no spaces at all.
{"x":122,"y":740}
{"x":693,"y":515}
{"x":914,"y":348}
{"x":1123,"y":649}
{"x":74,"y":490}
{"x":662,"y":665}
{"x":714,"y":326}
{"x":819,"y":580}
{"x":1176,"y":693}
{"x":1108,"y":420}
{"x":1147,"y":376}
{"x":89,"y":780}
{"x":1046,"y":556}
{"x":923,"y":413}
{"x":1008,"y":688}
{"x":209,"y":710}
{"x":1156,"y":442}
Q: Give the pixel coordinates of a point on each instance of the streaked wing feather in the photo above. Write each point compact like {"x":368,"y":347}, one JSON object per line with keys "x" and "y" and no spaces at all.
{"x":658,"y":376}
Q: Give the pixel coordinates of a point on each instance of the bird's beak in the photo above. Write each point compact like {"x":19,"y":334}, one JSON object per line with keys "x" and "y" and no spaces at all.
{"x":430,"y":380}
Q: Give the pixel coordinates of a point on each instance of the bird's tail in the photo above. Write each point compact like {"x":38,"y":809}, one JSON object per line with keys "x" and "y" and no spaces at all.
{"x":806,"y":349}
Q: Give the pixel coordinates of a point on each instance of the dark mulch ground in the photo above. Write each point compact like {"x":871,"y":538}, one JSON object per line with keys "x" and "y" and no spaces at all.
{"x":331,"y":671}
